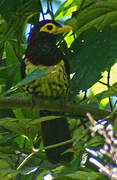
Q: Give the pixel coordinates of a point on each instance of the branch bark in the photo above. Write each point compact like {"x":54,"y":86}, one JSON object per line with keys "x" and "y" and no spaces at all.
{"x":58,"y":105}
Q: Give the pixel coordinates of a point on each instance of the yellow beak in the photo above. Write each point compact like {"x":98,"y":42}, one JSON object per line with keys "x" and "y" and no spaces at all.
{"x":63,"y":29}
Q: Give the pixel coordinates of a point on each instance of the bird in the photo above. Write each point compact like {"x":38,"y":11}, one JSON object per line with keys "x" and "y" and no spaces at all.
{"x":43,"y":51}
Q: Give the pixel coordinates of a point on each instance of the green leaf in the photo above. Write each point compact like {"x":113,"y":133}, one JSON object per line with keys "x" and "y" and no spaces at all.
{"x":8,"y":8}
{"x":16,"y":15}
{"x":112,"y":91}
{"x":79,"y":175}
{"x":42,"y":119}
{"x":76,"y":162}
{"x":93,"y":53}
{"x":38,"y":73}
{"x":18,"y":113}
{"x":15,"y":125}
{"x":42,"y":174}
{"x":6,"y":172}
{"x":12,"y":62}
{"x":33,"y":114}
{"x":95,"y":141}
{"x":100,"y":14}
{"x":115,"y":125}
{"x":3,"y":164}
{"x":21,"y":141}
{"x":35,"y":7}
{"x":10,"y":54}
{"x":7,"y":138}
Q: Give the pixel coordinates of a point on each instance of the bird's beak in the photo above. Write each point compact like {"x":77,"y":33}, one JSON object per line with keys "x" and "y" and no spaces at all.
{"x":63,"y":29}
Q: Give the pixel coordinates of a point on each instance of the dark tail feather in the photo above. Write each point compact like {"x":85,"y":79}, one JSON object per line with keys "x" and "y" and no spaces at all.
{"x":53,"y":132}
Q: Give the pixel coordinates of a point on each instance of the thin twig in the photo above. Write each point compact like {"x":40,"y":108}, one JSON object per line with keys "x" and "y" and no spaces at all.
{"x":42,"y":10}
{"x":103,"y":83}
{"x":25,"y":160}
{"x":50,"y":9}
{"x":108,"y":84}
{"x":59,"y":144}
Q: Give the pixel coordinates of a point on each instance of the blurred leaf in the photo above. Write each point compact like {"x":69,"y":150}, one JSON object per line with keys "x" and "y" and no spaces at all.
{"x":7,"y":138}
{"x":15,"y":125}
{"x":6,"y":113}
{"x":33,"y":76}
{"x":42,"y":119}
{"x":8,"y":174}
{"x":37,"y":7}
{"x":18,"y":113}
{"x":95,"y":141}
{"x":8,"y":8}
{"x":76,"y":162}
{"x":3,"y":164}
{"x":11,"y":59}
{"x":100,"y":14}
{"x":21,"y":141}
{"x":33,"y":114}
{"x":115,"y":125}
{"x":64,"y":178}
{"x":42,"y":174}
{"x":17,"y":16}
{"x":79,"y":175}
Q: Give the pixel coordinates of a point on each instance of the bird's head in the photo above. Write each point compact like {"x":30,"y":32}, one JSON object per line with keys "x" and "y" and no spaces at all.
{"x":52,"y":27}
{"x":42,"y":41}
{"x":47,"y":29}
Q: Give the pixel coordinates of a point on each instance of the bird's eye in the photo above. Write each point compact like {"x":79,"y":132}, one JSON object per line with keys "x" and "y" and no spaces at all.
{"x":49,"y":27}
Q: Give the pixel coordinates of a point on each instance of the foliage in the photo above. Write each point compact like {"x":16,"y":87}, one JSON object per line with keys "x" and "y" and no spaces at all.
{"x":92,"y":54}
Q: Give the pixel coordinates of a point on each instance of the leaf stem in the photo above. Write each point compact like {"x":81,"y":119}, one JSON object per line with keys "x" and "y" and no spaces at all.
{"x":108,"y":84}
{"x":26,"y":159}
{"x":37,"y":150}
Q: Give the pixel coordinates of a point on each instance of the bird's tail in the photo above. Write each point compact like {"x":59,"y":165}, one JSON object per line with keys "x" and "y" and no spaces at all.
{"x":53,"y":132}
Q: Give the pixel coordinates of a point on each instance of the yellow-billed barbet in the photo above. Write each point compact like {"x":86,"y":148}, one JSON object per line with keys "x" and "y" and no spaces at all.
{"x":42,"y":51}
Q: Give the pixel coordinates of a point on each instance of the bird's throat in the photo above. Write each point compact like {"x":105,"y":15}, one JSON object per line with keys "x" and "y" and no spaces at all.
{"x":45,"y":56}
{"x":43,"y":52}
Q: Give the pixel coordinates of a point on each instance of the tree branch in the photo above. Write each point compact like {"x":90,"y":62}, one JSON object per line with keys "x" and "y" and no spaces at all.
{"x":50,"y":104}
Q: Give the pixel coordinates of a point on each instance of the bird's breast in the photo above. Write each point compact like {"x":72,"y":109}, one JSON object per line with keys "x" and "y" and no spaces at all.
{"x":54,"y":84}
